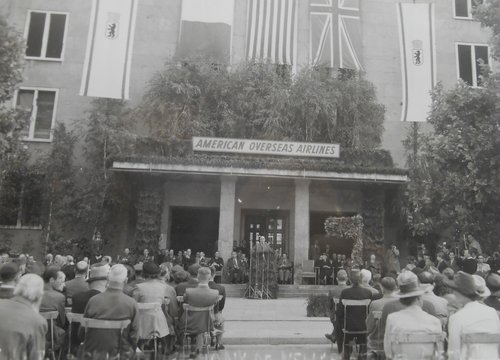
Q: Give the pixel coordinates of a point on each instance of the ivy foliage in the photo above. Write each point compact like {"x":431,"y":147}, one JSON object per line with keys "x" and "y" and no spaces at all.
{"x":349,"y":228}
{"x":488,"y":13}
{"x":262,"y":101}
{"x":456,"y":173}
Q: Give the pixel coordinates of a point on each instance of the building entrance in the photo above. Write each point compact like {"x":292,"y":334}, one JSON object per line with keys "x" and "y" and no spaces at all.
{"x":271,"y":224}
{"x":194,"y":228}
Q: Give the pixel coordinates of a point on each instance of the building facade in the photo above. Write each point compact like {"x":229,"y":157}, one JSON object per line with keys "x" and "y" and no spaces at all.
{"x":287,"y":202}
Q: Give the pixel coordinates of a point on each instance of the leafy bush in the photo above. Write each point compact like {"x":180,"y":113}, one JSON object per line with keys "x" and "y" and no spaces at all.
{"x":318,"y":306}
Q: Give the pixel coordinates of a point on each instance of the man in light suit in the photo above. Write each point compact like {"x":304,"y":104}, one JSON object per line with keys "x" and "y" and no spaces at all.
{"x":412,"y":319}
{"x":195,"y":323}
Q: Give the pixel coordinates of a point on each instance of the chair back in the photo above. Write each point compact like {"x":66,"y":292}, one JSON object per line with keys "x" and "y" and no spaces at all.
{"x":190,"y":308}
{"x":88,"y":323}
{"x":432,"y":342}
{"x":74,"y":317}
{"x":308,"y":266}
{"x":50,"y":315}
{"x":152,"y":321}
{"x":377,"y":315}
{"x":148,"y":306}
{"x":479,"y":339}
{"x":354,"y":303}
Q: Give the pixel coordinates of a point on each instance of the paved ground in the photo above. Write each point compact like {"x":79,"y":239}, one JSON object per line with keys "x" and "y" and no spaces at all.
{"x":272,"y":322}
{"x":270,"y":352}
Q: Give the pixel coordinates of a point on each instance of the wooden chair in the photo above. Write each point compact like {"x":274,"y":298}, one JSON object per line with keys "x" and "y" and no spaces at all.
{"x":377,"y":315}
{"x":72,"y":318}
{"x":203,"y":338}
{"x":433,"y":342}
{"x":352,"y":303}
{"x":51,"y":317}
{"x":308,"y":270}
{"x":156,"y":329}
{"x":120,"y":325}
{"x":479,"y":339}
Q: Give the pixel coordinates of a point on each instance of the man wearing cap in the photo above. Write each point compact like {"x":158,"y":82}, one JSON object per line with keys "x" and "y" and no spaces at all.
{"x":9,"y":274}
{"x":78,"y":284}
{"x":375,"y":338}
{"x":112,"y":304}
{"x":473,"y":317}
{"x":192,"y":282}
{"x":412,"y":319}
{"x":356,"y":318}
{"x":493,"y":283}
{"x":440,"y":304}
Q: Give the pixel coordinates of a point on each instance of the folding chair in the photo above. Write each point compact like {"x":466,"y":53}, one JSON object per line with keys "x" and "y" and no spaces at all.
{"x":335,"y":305}
{"x":353,"y":303}
{"x":431,"y":344}
{"x":152,"y":323}
{"x":121,"y":325}
{"x":72,"y":318}
{"x":479,"y":339}
{"x":205,"y":335}
{"x":378,"y":354}
{"x":51,"y":316}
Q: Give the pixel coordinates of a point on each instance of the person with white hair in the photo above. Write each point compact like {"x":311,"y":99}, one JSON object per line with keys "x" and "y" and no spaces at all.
{"x":112,"y":304}
{"x":22,"y":329}
{"x":366,"y":276}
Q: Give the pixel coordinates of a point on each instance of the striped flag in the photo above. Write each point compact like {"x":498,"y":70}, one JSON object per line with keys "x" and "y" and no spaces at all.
{"x":335,"y":34}
{"x":206,"y":27}
{"x":106,"y":71}
{"x":418,"y":60}
{"x":272,"y":31}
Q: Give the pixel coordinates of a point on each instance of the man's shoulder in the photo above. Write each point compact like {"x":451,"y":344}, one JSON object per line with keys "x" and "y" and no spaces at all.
{"x":356,"y":292}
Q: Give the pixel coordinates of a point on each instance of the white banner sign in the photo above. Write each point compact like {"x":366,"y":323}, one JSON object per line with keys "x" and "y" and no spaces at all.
{"x":248,"y":146}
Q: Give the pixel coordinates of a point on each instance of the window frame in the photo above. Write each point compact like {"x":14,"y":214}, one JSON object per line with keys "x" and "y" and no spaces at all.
{"x":470,"y":5}
{"x":473,"y":59}
{"x":31,"y":130}
{"x":45,"y":37}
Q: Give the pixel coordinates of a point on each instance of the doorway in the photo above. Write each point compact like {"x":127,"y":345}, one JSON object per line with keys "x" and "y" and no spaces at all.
{"x":194,"y":228}
{"x":271,"y":224}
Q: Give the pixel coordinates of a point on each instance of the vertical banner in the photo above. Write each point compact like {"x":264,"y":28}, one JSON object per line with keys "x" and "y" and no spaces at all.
{"x":418,"y":61}
{"x":206,"y":29}
{"x":272,"y":31}
{"x":335,"y":34}
{"x":106,"y":71}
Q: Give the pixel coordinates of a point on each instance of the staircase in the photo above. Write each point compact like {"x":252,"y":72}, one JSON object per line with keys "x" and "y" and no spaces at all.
{"x":284,"y":291}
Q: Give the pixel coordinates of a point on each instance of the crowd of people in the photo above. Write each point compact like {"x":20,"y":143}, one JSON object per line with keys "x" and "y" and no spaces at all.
{"x":447,"y":299}
{"x":149,"y":293}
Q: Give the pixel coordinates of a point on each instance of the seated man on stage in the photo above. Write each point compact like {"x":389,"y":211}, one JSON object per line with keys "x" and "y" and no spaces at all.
{"x":234,"y":269}
{"x":325,"y":269}
{"x":284,"y":270}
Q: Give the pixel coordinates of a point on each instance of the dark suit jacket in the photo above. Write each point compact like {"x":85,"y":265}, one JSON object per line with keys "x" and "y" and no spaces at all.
{"x":6,"y":292}
{"x":356,"y":315}
{"x":222,"y":291}
{"x":180,"y":289}
{"x":112,"y":304}
{"x":231,"y":264}
{"x":75,"y":286}
{"x":22,"y":330}
{"x":196,"y":322}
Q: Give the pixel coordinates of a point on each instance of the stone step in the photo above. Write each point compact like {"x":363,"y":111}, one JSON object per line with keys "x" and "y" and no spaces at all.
{"x":284,"y":291}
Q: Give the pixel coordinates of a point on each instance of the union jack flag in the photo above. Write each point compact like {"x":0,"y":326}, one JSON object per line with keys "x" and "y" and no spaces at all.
{"x":335,"y":34}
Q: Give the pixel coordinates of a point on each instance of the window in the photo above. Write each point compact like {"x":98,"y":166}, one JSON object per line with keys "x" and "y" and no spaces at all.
{"x":41,"y":104}
{"x":463,"y":8}
{"x":45,"y":35}
{"x":470,"y":58}
{"x":21,"y":201}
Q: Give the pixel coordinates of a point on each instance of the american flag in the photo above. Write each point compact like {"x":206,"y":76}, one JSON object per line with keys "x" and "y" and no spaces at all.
{"x":272,"y":31}
{"x":335,"y":34}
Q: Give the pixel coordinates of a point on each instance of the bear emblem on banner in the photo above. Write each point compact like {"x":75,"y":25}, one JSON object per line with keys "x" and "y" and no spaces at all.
{"x":112,"y":26}
{"x":417,"y":52}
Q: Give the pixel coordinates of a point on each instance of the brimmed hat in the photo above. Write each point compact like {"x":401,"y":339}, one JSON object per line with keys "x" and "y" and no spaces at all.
{"x":493,"y":283}
{"x":150,"y":268}
{"x":481,"y":288}
{"x":98,"y":273}
{"x":409,"y":286}
{"x":463,"y":283}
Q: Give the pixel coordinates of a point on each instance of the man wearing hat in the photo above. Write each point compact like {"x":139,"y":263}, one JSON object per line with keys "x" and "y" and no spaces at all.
{"x":96,"y":283}
{"x":78,"y":284}
{"x":192,"y":282}
{"x":112,"y":304}
{"x":473,"y":317}
{"x":412,"y":319}
{"x":493,"y":283}
{"x":9,"y":275}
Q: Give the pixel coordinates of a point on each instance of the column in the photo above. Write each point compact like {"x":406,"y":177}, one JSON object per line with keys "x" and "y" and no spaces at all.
{"x":301,"y":227}
{"x":165,"y":216}
{"x":226,"y":215}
